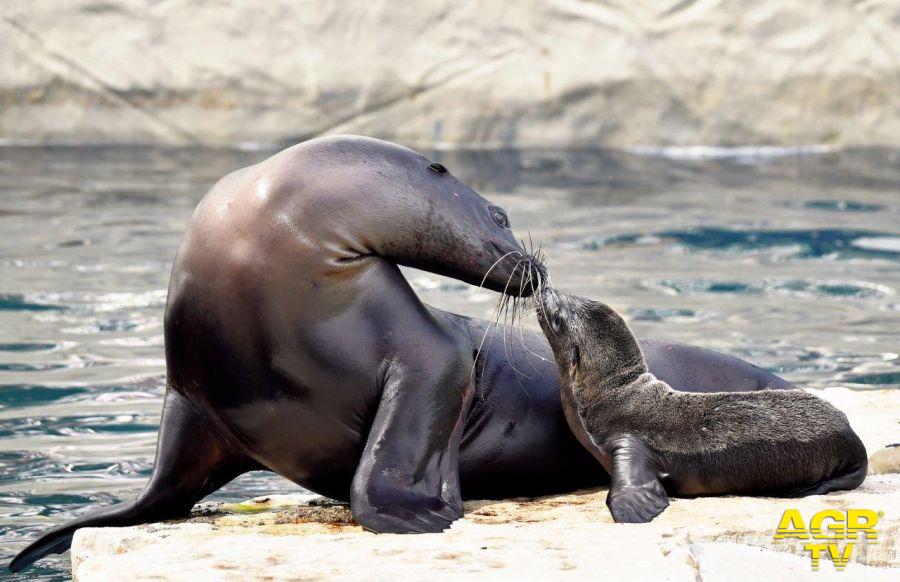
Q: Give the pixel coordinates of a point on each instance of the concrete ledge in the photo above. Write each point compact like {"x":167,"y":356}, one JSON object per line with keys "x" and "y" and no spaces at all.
{"x":567,"y":536}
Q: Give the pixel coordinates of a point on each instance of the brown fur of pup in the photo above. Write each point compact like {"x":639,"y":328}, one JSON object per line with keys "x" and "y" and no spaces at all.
{"x":655,"y":441}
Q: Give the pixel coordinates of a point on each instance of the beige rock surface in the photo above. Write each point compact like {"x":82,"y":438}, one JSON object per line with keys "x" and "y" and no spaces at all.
{"x":563,"y":537}
{"x":558,"y":537}
{"x":536,"y":72}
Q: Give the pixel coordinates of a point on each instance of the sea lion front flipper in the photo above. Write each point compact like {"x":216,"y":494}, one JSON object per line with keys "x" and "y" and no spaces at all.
{"x":636,"y":495}
{"x":407,"y":480}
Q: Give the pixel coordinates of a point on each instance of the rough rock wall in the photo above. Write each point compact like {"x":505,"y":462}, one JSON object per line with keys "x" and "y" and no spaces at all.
{"x":555,"y":72}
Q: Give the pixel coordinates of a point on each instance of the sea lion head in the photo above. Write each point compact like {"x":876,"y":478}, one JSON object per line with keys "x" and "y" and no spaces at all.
{"x":393,"y":202}
{"x":589,"y":339}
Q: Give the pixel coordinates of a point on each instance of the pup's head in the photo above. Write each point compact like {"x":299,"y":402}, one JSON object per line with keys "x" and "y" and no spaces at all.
{"x":589,"y":339}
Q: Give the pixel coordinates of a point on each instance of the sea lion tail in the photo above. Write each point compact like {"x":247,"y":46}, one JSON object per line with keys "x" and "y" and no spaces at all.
{"x":192,"y":461}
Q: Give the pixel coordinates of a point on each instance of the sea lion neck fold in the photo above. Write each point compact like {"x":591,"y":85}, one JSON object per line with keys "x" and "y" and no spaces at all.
{"x":348,"y":198}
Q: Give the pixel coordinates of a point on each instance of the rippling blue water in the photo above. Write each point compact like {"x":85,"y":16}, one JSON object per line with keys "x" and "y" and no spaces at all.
{"x":791,"y":262}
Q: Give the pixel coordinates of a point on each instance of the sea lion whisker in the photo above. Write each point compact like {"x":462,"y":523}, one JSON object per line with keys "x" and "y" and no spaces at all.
{"x":514,"y":327}
{"x":505,"y":331}
{"x":521,"y":326}
{"x":497,"y":262}
{"x":505,"y":309}
{"x":503,"y":305}
{"x":511,"y":328}
{"x":494,"y":322}
{"x":519,"y":308}
{"x":531,"y":281}
{"x":540,"y":305}
{"x":489,"y":330}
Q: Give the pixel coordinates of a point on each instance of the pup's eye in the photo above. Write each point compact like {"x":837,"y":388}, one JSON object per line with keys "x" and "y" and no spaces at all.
{"x":437,"y":168}
{"x":500,"y":218}
{"x":556,"y":322}
{"x":576,"y":356}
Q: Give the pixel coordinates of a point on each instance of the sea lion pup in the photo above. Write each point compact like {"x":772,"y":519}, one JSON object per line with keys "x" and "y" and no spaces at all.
{"x":655,"y":441}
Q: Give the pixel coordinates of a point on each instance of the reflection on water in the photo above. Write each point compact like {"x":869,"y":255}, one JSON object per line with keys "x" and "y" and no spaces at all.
{"x":792,"y":262}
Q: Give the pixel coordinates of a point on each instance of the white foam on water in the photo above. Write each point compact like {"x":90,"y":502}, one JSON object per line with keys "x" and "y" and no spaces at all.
{"x":702,"y":152}
{"x":888,"y":244}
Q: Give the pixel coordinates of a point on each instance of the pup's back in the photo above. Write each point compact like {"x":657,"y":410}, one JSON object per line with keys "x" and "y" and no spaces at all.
{"x":772,"y":441}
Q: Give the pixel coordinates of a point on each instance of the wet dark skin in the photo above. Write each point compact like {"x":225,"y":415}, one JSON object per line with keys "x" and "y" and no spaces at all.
{"x":294,"y":344}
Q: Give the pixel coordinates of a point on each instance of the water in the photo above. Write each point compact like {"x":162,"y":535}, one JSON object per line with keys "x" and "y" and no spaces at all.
{"x":790,"y":261}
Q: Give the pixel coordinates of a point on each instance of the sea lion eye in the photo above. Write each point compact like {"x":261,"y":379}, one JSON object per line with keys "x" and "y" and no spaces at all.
{"x":500,"y":218}
{"x":437,"y":168}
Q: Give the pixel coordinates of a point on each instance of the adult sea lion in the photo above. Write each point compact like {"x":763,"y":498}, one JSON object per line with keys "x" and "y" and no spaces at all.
{"x":653,"y":440}
{"x":294,"y":344}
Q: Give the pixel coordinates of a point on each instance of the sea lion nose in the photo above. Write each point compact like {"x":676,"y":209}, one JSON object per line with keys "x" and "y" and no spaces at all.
{"x":536,"y":272}
{"x":533,"y":275}
{"x":537,"y":267}
{"x":547,"y":297}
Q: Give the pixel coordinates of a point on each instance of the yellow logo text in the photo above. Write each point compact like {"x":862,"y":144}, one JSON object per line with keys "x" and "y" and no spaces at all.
{"x":831,"y":533}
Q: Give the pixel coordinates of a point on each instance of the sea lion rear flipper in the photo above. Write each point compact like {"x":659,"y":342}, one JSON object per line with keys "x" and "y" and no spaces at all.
{"x":191,"y":462}
{"x":636,"y":494}
{"x":407,"y":480}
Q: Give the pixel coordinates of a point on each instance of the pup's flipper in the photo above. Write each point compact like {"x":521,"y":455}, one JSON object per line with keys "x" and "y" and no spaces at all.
{"x":636,"y":494}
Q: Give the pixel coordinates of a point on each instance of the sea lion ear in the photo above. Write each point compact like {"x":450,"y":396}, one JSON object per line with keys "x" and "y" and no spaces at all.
{"x":437,"y":168}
